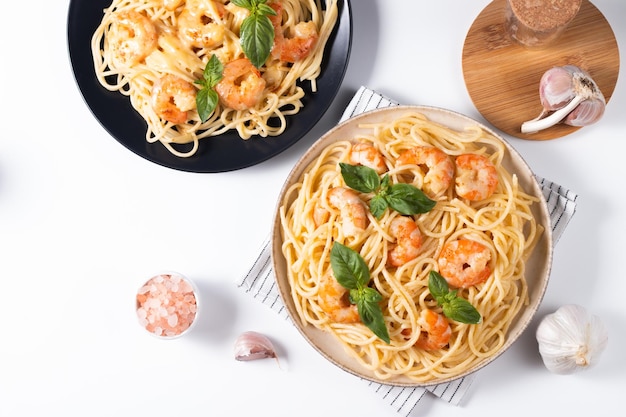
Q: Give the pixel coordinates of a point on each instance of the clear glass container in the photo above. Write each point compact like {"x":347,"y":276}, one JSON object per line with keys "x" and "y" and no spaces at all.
{"x":538,"y":23}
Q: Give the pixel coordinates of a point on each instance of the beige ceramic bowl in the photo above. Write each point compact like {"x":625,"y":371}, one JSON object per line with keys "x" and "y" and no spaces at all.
{"x":537,"y":269}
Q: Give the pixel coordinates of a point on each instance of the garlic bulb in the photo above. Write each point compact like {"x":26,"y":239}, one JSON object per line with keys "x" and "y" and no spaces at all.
{"x":569,"y":95}
{"x":252,"y":345}
{"x":571,"y":339}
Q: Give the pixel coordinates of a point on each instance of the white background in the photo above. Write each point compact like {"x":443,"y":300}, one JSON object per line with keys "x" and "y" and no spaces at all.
{"x":83,"y":222}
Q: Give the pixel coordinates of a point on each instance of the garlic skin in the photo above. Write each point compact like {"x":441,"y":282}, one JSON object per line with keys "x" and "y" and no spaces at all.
{"x":571,"y":339}
{"x":556,"y":88}
{"x":569,"y":95}
{"x":586,"y":113}
{"x":252,"y":345}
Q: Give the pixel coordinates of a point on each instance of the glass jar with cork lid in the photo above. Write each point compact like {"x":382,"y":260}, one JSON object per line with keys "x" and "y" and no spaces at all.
{"x":538,"y":23}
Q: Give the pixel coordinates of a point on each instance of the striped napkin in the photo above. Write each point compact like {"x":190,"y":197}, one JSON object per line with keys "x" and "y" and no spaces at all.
{"x":260,"y":283}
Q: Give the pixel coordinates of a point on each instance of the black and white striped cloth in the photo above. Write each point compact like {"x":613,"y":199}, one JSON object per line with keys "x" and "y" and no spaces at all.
{"x":260,"y":283}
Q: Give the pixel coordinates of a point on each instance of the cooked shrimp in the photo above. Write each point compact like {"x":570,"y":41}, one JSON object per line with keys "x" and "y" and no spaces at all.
{"x":476,"y":177}
{"x":436,"y":165}
{"x":367,"y":155}
{"x":132,"y":37}
{"x":409,"y":240}
{"x":172,"y":98}
{"x":464,"y":263}
{"x":352,"y":208}
{"x":200,"y":23}
{"x":333,"y":299}
{"x":242,"y":86}
{"x":435,"y":330}
{"x":296,"y":46}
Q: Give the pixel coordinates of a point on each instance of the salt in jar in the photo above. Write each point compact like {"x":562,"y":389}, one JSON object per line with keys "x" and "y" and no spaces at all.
{"x":167,"y":305}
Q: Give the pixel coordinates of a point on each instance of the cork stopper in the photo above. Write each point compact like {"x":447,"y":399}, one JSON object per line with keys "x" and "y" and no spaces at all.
{"x":539,"y":22}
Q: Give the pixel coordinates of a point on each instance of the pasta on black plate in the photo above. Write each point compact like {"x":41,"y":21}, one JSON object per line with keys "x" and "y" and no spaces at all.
{"x":156,"y":52}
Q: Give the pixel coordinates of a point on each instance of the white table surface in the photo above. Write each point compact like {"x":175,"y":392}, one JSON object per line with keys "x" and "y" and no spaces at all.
{"x":83,"y":222}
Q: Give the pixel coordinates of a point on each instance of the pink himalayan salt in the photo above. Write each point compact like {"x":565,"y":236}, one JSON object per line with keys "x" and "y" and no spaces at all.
{"x":166,"y":305}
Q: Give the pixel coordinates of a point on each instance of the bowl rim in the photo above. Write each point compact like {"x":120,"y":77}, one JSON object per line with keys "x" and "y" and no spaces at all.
{"x":526,"y":177}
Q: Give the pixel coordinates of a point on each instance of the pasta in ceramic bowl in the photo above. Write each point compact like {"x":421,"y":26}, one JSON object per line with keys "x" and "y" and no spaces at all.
{"x":411,"y":245}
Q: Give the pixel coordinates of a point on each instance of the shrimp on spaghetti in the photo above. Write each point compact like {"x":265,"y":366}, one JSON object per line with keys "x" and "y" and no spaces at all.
{"x":156,"y":51}
{"x":478,"y":242}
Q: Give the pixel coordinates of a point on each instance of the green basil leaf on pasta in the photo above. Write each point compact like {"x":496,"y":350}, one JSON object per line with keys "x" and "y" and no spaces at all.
{"x":454,"y":307}
{"x":213,"y":72}
{"x":461,"y":310}
{"x":437,"y":285}
{"x":351,"y":271}
{"x":371,"y":314}
{"x":206,"y":102}
{"x":370,"y":295}
{"x":257,"y":38}
{"x":256,"y":32}
{"x":207,"y":98}
{"x":384,"y":184}
{"x":266,"y":10}
{"x":360,"y":178}
{"x":408,"y":199}
{"x":246,"y":4}
{"x":378,"y":205}
{"x":349,"y":268}
{"x":403,"y":198}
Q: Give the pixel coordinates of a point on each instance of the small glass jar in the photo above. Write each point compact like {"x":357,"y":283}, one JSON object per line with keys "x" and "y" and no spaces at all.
{"x":167,"y":305}
{"x":538,"y":23}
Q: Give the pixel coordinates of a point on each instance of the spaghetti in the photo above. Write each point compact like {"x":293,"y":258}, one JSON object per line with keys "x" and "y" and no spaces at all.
{"x":502,"y":222}
{"x":155,"y":50}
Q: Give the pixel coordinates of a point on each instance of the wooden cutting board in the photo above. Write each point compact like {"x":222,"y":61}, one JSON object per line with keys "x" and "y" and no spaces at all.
{"x":502,"y":76}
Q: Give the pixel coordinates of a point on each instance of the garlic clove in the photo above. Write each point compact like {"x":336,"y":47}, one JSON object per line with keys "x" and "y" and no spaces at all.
{"x":586,"y":113}
{"x":556,"y":88}
{"x":562,"y":91}
{"x":252,"y":345}
{"x":571,"y":339}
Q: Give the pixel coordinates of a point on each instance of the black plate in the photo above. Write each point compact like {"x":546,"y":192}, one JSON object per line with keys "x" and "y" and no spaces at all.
{"x":222,"y":153}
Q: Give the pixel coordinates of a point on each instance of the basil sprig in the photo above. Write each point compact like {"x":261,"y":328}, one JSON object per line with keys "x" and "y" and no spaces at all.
{"x":256,"y":32}
{"x":351,"y":272}
{"x":454,"y":307}
{"x":403,"y":198}
{"x":207,"y":98}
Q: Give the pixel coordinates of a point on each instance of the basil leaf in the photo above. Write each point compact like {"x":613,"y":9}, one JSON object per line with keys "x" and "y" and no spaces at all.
{"x":404,"y":198}
{"x":207,"y":98}
{"x":370,"y":295}
{"x":348,"y":266}
{"x":437,"y":285}
{"x":384,"y":184}
{"x":359,"y":177}
{"x":206,"y":102}
{"x":454,"y":307}
{"x":351,"y":272}
{"x":213,"y":71}
{"x":461,"y":310}
{"x":378,"y":205}
{"x":246,"y":4}
{"x":371,"y":314}
{"x":257,"y":38}
{"x":266,"y":10}
{"x":408,"y":199}
{"x":256,"y":32}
